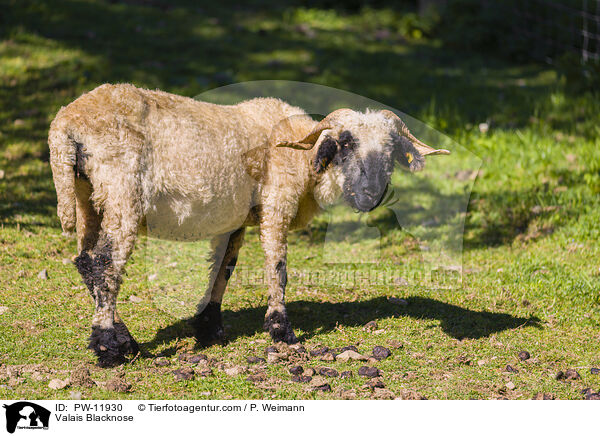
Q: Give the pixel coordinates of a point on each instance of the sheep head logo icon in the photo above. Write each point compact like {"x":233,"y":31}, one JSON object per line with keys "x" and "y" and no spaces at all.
{"x":26,"y":415}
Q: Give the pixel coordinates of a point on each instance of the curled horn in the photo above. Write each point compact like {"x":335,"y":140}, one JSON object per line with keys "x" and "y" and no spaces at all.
{"x":421,"y":147}
{"x":309,"y":141}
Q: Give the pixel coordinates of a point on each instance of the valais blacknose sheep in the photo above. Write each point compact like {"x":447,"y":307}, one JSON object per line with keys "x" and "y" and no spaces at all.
{"x":125,"y":158}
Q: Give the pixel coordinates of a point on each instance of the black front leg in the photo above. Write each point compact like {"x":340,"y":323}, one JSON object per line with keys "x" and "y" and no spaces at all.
{"x":111,"y":345}
{"x":279,"y":327}
{"x":274,"y":242}
{"x":208,"y":325}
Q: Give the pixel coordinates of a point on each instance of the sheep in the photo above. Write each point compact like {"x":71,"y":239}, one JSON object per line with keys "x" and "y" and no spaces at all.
{"x":126,"y":159}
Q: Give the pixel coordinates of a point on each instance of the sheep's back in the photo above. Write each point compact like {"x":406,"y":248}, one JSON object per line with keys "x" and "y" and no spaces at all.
{"x":197,"y":165}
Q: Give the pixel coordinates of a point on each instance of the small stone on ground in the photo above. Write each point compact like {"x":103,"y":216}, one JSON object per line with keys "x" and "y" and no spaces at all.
{"x":81,"y":377}
{"x":589,"y":394}
{"x":192,"y":358}
{"x":161,"y":361}
{"x":347,"y":394}
{"x":197,"y":358}
{"x":368,"y":371}
{"x":375,"y":383}
{"x":524,"y":355}
{"x":256,"y":378}
{"x":381,"y":353}
{"x":183,"y":374}
{"x":318,"y":381}
{"x":57,"y":384}
{"x":350,"y":355}
{"x":296,"y":370}
{"x":203,"y":371}
{"x":383,"y":394}
{"x":309,"y":372}
{"x":323,"y":388}
{"x":319,"y":351}
{"x":301,"y":378}
{"x":543,"y":396}
{"x":117,"y":384}
{"x":569,"y":374}
{"x":407,"y":394}
{"x":328,"y":372}
{"x":275,"y":357}
{"x":234,"y":371}
{"x":298,"y":348}
{"x":328,"y":357}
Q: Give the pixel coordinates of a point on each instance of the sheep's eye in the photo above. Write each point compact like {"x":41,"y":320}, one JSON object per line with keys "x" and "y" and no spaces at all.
{"x":346,"y":139}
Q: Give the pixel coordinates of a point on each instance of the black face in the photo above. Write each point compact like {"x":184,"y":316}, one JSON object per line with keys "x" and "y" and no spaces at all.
{"x":365,"y":179}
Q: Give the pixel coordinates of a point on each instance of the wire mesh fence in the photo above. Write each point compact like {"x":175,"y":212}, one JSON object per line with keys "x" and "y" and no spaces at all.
{"x":553,"y":28}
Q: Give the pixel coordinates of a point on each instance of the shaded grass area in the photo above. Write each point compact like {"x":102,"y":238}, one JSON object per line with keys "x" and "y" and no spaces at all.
{"x":530,"y":271}
{"x":321,"y":317}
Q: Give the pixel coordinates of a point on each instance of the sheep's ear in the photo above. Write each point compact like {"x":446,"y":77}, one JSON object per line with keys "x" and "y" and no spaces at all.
{"x":407,"y":154}
{"x":325,"y":154}
{"x":401,"y":129}
{"x":309,"y":141}
{"x":329,"y":122}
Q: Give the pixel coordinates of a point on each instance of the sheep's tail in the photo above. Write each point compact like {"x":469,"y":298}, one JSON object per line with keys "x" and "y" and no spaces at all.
{"x":62,"y":161}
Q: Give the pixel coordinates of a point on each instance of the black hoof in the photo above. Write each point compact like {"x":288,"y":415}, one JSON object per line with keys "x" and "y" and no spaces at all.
{"x":112,"y":344}
{"x":280,"y":329}
{"x":129,"y":345}
{"x":208,"y":326}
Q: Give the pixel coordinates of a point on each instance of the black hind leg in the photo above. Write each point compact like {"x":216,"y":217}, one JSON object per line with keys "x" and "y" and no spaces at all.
{"x":110,"y":339}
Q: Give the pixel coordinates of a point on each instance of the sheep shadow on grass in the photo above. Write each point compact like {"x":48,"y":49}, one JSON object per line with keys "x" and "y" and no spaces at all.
{"x":311,"y":317}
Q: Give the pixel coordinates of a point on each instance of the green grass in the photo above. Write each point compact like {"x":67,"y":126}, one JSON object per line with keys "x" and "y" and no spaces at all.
{"x":531,"y":276}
